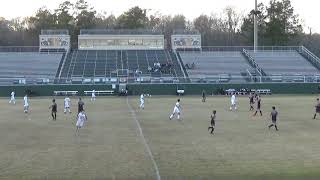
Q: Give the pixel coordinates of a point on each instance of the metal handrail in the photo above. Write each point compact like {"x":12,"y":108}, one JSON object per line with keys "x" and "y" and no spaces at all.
{"x":310,"y":55}
{"x":259,"y":70}
{"x":239,"y":48}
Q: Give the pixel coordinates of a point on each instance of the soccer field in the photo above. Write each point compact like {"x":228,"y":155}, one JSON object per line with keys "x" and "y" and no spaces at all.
{"x":119,"y":141}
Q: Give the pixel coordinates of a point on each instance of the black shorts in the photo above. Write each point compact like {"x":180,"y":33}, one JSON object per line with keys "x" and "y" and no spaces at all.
{"x":80,"y":109}
{"x":317,"y":110}
{"x":53,"y":111}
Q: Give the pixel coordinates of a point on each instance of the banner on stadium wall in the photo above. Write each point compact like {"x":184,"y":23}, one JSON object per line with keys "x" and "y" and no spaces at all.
{"x":186,"y":41}
{"x":54,"y":41}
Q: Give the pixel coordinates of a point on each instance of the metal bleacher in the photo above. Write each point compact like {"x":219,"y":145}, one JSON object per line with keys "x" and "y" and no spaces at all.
{"x":283,"y":63}
{"x":212,"y":64}
{"x":28,"y":65}
{"x":107,"y":63}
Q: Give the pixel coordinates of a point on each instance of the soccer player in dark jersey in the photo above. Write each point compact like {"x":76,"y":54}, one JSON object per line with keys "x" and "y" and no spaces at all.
{"x":274,"y":116}
{"x":213,"y":121}
{"x":251,"y":103}
{"x":80,"y":105}
{"x":203,"y":96}
{"x":258,"y":106}
{"x":317,"y":106}
{"x":54,"y":109}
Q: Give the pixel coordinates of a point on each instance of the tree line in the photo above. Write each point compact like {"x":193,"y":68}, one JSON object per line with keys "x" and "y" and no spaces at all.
{"x":278,"y":23}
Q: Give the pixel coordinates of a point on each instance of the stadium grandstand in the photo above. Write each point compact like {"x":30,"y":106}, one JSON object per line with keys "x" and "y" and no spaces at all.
{"x":108,"y":55}
{"x":139,"y":56}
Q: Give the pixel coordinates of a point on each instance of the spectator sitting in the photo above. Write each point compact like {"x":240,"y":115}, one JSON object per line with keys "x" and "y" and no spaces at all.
{"x":193,"y":66}
{"x":138,"y":72}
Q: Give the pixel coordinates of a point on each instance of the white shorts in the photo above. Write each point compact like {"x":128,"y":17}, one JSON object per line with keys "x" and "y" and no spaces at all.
{"x":66,"y":108}
{"x":233,"y":103}
{"x":79,"y":123}
{"x":26,"y":105}
{"x":12,"y":99}
{"x":176,"y":111}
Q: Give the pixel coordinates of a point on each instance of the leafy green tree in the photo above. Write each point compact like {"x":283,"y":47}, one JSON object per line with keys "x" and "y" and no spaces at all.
{"x":64,"y":16}
{"x":282,"y":24}
{"x":134,"y":18}
{"x":43,"y":19}
{"x":247,"y":26}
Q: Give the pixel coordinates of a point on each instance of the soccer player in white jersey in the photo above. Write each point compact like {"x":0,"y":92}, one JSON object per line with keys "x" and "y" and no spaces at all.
{"x":67,"y":104}
{"x":93,"y":95}
{"x":81,"y":118}
{"x":26,"y":104}
{"x":233,"y":102}
{"x":176,"y":110}
{"x":142,"y":101}
{"x":12,"y":99}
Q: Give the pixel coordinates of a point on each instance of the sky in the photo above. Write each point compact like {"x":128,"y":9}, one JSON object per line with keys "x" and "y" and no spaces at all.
{"x":307,"y":9}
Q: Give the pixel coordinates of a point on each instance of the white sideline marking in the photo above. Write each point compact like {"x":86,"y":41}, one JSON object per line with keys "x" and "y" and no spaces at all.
{"x":144,"y":140}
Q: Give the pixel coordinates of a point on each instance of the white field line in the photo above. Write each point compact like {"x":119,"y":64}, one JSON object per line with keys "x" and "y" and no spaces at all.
{"x":133,"y":113}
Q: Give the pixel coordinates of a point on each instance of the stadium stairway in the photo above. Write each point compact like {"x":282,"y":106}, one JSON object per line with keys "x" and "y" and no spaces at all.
{"x":257,"y":69}
{"x":308,"y":55}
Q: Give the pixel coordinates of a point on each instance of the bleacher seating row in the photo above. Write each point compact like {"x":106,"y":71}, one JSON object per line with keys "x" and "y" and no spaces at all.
{"x":31,"y":66}
{"x":102,"y":66}
{"x":215,"y":65}
{"x":278,"y":66}
{"x":115,"y":63}
{"x":288,"y":63}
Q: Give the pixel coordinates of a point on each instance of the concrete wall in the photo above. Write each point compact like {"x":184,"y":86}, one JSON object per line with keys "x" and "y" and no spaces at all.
{"x":163,"y":89}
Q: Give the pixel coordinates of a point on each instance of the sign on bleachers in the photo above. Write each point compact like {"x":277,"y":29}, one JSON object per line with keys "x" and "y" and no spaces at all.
{"x":186,"y":41}
{"x":54,"y":40}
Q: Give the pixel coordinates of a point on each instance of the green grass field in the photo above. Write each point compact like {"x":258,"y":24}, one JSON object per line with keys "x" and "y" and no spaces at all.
{"x":110,"y":145}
